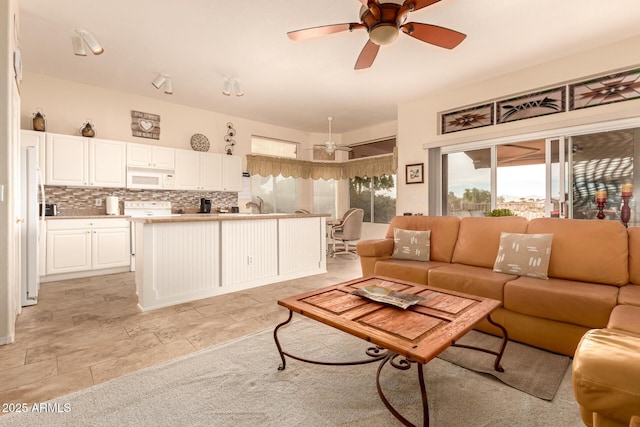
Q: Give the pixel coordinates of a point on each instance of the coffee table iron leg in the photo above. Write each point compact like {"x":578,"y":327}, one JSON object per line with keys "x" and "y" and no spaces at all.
{"x":375,"y":353}
{"x":499,"y":353}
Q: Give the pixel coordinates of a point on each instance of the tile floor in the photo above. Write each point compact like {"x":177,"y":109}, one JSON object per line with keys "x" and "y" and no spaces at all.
{"x":86,"y":331}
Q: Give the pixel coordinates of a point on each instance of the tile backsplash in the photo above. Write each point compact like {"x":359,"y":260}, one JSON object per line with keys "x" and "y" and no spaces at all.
{"x":82,"y":201}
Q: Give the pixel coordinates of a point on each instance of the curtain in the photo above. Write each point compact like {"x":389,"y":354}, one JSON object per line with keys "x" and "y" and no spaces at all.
{"x":367,"y":167}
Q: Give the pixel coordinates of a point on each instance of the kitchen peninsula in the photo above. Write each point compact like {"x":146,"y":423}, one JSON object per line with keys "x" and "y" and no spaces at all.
{"x":182,"y":258}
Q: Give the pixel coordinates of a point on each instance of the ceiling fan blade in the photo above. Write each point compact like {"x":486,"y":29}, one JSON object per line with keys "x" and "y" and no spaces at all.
{"x":433,"y":34}
{"x":418,"y":4}
{"x":367,"y":56}
{"x":324,"y":30}
{"x":343,"y":148}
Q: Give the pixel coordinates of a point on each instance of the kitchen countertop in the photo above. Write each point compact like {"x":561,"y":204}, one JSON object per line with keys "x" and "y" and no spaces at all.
{"x":48,"y":218}
{"x":220,"y":217}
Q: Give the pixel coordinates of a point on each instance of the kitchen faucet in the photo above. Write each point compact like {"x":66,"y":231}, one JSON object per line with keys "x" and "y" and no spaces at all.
{"x":259,"y":205}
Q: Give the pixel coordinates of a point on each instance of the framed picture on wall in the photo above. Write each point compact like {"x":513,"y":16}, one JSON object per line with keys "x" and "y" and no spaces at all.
{"x":414,"y":173}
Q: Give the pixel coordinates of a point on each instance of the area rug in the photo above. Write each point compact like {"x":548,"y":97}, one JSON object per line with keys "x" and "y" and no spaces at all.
{"x":526,"y":368}
{"x":238,"y":384}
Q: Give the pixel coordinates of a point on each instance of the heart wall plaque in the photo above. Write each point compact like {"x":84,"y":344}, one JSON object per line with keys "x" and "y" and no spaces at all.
{"x":145,"y":125}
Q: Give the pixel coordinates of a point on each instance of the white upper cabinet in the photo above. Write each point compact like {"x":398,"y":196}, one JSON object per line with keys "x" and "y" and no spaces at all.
{"x":84,"y":162}
{"x":149,"y":156}
{"x":196,"y":170}
{"x":67,"y":159}
{"x":187,"y":176}
{"x":211,"y":171}
{"x":232,"y":173}
{"x":107,"y":163}
{"x":32,"y":138}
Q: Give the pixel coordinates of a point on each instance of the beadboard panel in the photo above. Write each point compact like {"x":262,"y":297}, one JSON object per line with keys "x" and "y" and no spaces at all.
{"x":185,"y":261}
{"x":250,"y":251}
{"x":300,"y":245}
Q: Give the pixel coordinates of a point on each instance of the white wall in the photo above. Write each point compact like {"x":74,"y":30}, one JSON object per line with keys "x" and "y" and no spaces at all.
{"x":418,"y":120}
{"x":9,"y":150}
{"x":67,"y":105}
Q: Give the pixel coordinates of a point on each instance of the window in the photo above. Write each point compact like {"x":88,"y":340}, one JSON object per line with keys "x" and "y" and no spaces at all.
{"x":379,"y":203}
{"x":375,"y":195}
{"x":273,"y":147}
{"x":324,"y":197}
{"x":279,"y":194}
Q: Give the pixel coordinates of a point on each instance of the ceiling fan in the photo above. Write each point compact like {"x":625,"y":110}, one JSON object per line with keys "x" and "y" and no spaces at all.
{"x":329,"y":146}
{"x":384,"y":21}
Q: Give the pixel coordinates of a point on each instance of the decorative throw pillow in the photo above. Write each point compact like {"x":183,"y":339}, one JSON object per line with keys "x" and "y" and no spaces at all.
{"x":524,"y":254}
{"x":411,"y":244}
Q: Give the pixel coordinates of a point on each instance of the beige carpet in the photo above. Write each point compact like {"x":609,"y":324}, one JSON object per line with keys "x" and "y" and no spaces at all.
{"x":238,"y":384}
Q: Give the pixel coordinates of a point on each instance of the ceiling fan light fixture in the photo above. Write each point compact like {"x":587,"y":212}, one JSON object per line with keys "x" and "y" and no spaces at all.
{"x":384,"y":34}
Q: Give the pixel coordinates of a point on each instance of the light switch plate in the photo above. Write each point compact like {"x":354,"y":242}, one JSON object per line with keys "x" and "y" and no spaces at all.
{"x":1,"y":193}
{"x":98,"y":202}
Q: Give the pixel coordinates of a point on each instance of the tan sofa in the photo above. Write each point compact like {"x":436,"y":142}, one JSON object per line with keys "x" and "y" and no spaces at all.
{"x":589,"y":270}
{"x":592,"y":291}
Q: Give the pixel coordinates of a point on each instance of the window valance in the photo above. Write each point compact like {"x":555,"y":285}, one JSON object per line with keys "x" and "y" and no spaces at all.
{"x":369,"y":167}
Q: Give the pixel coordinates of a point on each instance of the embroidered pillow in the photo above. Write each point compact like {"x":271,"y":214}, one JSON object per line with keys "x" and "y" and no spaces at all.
{"x":524,"y":254}
{"x":411,"y":244}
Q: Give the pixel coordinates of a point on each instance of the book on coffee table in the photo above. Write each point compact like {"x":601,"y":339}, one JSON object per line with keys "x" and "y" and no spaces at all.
{"x":387,"y":296}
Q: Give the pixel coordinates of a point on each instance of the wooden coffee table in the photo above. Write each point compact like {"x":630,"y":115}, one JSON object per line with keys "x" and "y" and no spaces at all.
{"x":400,"y":337}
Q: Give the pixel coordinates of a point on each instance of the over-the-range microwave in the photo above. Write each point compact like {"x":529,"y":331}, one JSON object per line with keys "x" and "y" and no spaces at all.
{"x":150,"y":179}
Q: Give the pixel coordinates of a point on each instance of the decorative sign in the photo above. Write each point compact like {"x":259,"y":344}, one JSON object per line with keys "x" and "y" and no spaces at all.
{"x":532,"y":105}
{"x":605,"y":90}
{"x":469,"y":118}
{"x":145,"y":125}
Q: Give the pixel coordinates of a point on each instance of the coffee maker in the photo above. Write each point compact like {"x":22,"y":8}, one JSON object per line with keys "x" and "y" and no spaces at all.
{"x":205,"y":205}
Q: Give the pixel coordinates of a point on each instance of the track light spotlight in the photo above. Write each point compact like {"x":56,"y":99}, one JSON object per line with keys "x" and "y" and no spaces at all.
{"x":79,"y":39}
{"x":229,"y":84}
{"x":163,"y":80}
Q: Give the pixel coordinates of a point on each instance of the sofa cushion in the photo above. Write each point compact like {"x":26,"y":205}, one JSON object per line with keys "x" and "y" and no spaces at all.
{"x":634,"y":255}
{"x":579,"y":303}
{"x":411,"y":244}
{"x":444,"y":232}
{"x":586,"y":250}
{"x":524,"y":254}
{"x":479,"y":238}
{"x":625,"y":318}
{"x":411,"y":271}
{"x":629,"y":294}
{"x":472,"y":280}
{"x":605,"y":374}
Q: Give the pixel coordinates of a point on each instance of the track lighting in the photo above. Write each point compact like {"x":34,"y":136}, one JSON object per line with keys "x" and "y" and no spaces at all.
{"x":228,"y":84}
{"x":163,"y":80}
{"x":79,"y":39}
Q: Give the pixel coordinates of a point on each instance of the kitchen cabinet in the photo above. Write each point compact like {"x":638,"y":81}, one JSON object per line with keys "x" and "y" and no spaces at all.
{"x":85,"y":162}
{"x":76,"y":245}
{"x":232,"y":173}
{"x":198,"y":171}
{"x":301,"y":245}
{"x":149,"y":156}
{"x":250,"y":251}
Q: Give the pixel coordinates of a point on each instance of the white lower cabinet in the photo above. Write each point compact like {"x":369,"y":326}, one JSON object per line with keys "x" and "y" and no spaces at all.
{"x":301,"y":245}
{"x":76,"y":245}
{"x":249,"y":251}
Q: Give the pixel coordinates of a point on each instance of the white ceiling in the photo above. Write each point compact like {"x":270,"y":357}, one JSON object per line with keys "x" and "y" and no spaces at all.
{"x":299,"y":84}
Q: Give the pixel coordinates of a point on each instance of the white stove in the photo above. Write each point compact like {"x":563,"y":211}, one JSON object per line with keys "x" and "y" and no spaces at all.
{"x":147,"y":208}
{"x":143,"y":209}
